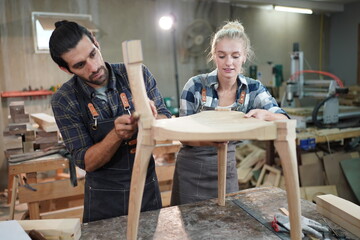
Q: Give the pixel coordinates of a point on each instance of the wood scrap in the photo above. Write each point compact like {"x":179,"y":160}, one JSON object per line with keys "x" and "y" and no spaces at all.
{"x":341,"y":211}
{"x":64,"y":229}
{"x":12,"y":142}
{"x":45,"y":121}
{"x":251,"y":158}
{"x":273,"y":178}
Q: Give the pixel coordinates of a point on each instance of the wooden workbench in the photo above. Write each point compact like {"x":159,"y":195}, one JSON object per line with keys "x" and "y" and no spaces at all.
{"x":325,"y":135}
{"x":58,"y":190}
{"x":206,"y":219}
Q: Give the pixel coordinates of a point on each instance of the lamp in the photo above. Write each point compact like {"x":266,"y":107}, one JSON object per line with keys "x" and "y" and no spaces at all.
{"x":168,"y":23}
{"x":293,"y":9}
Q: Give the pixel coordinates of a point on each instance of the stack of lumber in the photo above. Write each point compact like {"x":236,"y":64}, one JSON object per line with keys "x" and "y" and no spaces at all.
{"x":250,"y":158}
{"x":19,"y":135}
{"x":48,"y":132}
{"x":252,"y":170}
{"x":341,"y":211}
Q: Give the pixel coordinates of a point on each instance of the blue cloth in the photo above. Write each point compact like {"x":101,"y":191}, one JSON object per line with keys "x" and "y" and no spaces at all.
{"x":257,"y":96}
{"x":67,"y":110}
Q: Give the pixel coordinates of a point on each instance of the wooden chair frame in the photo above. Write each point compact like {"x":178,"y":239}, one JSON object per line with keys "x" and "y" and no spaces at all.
{"x":204,"y":126}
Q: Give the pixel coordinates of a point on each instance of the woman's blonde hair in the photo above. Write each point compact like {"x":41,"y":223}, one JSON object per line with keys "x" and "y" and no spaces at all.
{"x":231,"y":30}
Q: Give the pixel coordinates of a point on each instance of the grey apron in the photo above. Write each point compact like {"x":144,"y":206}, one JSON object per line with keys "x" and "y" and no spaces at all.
{"x":196,"y":174}
{"x":107,"y":189}
{"x":196,"y":170}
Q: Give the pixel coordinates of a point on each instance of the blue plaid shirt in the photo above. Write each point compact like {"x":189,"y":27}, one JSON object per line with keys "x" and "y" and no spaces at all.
{"x":257,"y":96}
{"x":67,"y":110}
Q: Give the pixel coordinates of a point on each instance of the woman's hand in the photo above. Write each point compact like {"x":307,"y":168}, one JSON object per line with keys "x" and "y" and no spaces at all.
{"x":265,"y":115}
{"x":153,"y":108}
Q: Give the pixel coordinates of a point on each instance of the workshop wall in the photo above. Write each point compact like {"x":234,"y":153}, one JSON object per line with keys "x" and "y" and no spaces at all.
{"x":344,"y":50}
{"x":272,"y":35}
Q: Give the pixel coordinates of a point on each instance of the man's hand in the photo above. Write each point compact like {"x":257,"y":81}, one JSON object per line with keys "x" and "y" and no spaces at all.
{"x":125,"y":126}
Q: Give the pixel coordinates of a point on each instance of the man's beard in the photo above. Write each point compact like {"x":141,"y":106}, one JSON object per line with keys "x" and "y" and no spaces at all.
{"x":101,"y":79}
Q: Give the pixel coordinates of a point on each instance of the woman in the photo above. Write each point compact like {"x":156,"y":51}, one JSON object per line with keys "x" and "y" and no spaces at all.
{"x":195,"y":177}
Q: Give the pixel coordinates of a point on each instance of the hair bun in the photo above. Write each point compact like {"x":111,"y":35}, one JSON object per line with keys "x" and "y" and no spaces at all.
{"x":234,"y":25}
{"x":60,"y":23}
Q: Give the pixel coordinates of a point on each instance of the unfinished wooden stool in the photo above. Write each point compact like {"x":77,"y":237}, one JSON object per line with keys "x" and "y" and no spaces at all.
{"x":219,"y":126}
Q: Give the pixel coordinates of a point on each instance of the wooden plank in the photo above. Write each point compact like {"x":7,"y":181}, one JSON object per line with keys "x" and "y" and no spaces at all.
{"x":45,"y":121}
{"x":339,"y":220}
{"x":50,"y":190}
{"x":165,"y":198}
{"x":64,"y":229}
{"x":341,"y":211}
{"x":47,"y":163}
{"x":165,"y":172}
{"x":12,"y":142}
{"x":61,"y":203}
{"x":165,"y":185}
{"x":172,"y":147}
{"x":323,"y":136}
{"x":75,"y":212}
{"x":343,"y":208}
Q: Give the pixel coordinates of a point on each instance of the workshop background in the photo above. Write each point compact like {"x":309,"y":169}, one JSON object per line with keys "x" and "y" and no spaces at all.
{"x":329,"y":39}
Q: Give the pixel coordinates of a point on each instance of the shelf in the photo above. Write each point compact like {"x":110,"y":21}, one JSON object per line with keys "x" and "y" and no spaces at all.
{"x":10,"y":94}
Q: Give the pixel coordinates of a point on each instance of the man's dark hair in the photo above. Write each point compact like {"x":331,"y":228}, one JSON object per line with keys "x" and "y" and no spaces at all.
{"x":65,"y":37}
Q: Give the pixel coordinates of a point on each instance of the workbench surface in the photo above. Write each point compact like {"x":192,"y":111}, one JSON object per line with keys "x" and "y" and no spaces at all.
{"x":207,"y":220}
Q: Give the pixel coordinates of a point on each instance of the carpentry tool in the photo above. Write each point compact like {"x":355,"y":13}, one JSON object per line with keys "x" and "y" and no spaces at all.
{"x":16,"y":158}
{"x":281,"y":234}
{"x":72,"y":170}
{"x":308,"y":226}
{"x":28,"y":185}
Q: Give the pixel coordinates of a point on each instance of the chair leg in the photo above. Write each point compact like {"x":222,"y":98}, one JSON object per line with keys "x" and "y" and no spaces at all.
{"x":286,"y":147}
{"x":142,"y":158}
{"x":222,"y":162}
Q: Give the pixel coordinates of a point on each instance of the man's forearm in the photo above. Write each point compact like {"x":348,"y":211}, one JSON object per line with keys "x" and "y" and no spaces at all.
{"x":102,"y":152}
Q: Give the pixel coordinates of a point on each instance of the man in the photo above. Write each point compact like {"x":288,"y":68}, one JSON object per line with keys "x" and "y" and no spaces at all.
{"x":93,"y":112}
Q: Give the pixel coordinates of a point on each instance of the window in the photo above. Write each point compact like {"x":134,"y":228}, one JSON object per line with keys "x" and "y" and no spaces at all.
{"x":43,"y":26}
